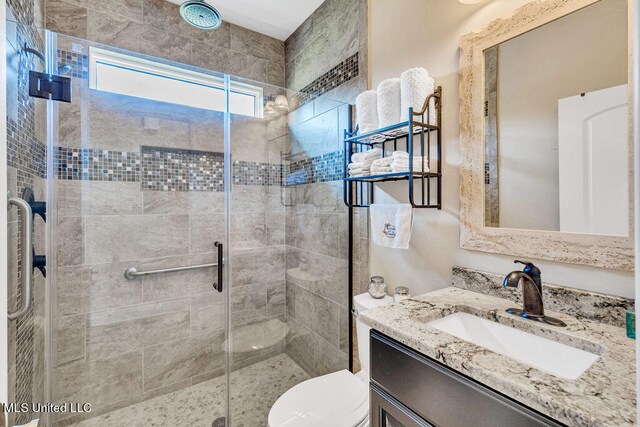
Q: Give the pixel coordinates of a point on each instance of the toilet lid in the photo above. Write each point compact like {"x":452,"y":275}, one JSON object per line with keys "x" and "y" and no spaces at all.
{"x":339,"y":399}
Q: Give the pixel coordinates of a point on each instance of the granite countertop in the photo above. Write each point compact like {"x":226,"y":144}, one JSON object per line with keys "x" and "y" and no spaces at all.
{"x":604,"y":395}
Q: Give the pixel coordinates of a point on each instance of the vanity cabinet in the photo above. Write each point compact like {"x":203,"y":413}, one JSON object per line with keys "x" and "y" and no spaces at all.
{"x":409,"y":389}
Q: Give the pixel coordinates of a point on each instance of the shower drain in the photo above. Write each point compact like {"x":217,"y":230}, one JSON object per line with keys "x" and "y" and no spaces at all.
{"x":219,"y":422}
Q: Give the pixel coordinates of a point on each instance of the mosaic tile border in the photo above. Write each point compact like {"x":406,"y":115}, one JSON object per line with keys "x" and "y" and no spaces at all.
{"x":92,"y":164}
{"x":324,"y":168}
{"x":257,"y":173}
{"x":163,"y":169}
{"x":343,"y":72}
{"x":78,"y":62}
{"x":181,"y":170}
{"x":166,"y":169}
{"x":25,"y":152}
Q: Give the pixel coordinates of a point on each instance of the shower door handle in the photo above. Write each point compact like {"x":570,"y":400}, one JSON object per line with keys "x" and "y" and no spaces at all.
{"x":26,"y":243}
{"x":218,"y":285}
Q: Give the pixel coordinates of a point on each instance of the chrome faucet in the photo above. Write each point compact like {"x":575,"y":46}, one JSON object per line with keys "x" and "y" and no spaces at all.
{"x":531,"y":279}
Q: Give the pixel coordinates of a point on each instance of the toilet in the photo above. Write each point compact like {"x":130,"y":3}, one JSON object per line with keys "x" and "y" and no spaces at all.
{"x":339,"y":399}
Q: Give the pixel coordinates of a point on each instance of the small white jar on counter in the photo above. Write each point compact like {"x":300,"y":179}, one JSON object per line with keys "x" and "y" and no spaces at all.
{"x":401,"y":294}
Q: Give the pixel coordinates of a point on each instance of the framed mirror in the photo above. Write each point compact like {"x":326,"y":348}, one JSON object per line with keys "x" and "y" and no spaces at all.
{"x":546,"y":134}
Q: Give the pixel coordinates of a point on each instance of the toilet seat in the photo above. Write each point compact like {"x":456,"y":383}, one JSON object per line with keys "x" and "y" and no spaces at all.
{"x":339,"y":399}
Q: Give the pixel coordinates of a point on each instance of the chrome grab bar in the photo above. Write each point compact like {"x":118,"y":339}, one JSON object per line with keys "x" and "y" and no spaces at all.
{"x":131,"y":273}
{"x":26,"y":241}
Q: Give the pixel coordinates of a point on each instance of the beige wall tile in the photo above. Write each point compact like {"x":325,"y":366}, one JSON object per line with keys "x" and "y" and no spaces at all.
{"x":113,"y":238}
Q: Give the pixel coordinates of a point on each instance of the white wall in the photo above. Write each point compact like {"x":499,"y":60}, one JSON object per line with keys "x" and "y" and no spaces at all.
{"x":410,"y":33}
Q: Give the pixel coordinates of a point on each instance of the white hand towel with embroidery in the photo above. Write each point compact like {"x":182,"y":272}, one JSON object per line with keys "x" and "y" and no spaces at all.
{"x":389,"y":102}
{"x":391,"y":225}
{"x":367,"y":111}
{"x":415,"y":86}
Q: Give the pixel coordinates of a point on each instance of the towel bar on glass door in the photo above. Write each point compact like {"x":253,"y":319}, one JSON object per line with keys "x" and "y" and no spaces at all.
{"x":132,"y":272}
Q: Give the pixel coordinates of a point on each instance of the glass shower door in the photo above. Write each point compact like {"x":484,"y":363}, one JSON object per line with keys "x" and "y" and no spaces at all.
{"x":289,"y":250}
{"x":137,"y":202}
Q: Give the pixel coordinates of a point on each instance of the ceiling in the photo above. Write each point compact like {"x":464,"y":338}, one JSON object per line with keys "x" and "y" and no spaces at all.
{"x":275,"y":18}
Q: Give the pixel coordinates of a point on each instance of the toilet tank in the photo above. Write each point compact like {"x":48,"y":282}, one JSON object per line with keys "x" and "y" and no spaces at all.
{"x":361,"y":303}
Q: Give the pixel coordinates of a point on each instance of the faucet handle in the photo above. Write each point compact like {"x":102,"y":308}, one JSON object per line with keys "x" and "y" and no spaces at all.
{"x":527,"y":263}
{"x":531,"y":269}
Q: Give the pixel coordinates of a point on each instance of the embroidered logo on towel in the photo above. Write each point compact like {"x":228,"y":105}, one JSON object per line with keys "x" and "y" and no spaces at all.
{"x":390,"y":231}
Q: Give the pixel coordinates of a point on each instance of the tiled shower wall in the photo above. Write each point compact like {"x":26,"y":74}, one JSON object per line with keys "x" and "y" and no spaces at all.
{"x":317,"y":251}
{"x":26,"y":156}
{"x":154,"y":27}
{"x":327,"y":57}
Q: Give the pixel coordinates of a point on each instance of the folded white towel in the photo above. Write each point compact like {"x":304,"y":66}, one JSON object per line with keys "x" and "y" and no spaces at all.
{"x":360,"y":165}
{"x":367,"y":111}
{"x":389,"y":102}
{"x":381,"y":170}
{"x":383,"y":162}
{"x":404,"y":167}
{"x":416,"y":161}
{"x":400,"y":155}
{"x":372,"y":154}
{"x":391,"y":225}
{"x":360,"y":173}
{"x":416,"y":85}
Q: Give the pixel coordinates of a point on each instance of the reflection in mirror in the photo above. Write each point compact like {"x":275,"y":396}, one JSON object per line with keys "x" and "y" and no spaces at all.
{"x":557,"y":126}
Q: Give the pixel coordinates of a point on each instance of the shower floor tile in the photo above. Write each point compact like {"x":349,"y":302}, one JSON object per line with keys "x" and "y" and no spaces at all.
{"x":254,"y":390}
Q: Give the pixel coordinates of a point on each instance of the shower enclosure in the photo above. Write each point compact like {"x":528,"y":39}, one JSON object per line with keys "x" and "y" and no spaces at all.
{"x":220,"y":199}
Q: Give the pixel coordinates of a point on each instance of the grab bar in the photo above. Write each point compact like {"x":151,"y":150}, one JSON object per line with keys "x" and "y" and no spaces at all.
{"x":132,"y":272}
{"x":26,"y":241}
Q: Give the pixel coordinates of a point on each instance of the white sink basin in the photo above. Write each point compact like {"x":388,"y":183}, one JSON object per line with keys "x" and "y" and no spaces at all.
{"x":550,"y":356}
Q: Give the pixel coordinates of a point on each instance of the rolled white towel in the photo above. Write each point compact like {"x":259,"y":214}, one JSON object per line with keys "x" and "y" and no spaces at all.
{"x":372,"y":154}
{"x":389,"y":102}
{"x":367,"y":111}
{"x":415,"y":86}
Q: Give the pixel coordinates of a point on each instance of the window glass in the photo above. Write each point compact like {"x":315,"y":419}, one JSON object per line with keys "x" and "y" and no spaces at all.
{"x":131,"y":76}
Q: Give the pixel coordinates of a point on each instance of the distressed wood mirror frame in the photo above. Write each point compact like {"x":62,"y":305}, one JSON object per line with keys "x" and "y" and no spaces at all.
{"x":614,"y":252}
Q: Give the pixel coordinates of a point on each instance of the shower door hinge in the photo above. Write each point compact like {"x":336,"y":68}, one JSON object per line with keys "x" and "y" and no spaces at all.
{"x":49,"y":86}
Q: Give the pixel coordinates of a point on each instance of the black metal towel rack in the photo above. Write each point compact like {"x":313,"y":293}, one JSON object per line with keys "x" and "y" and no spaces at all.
{"x":425,"y":188}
